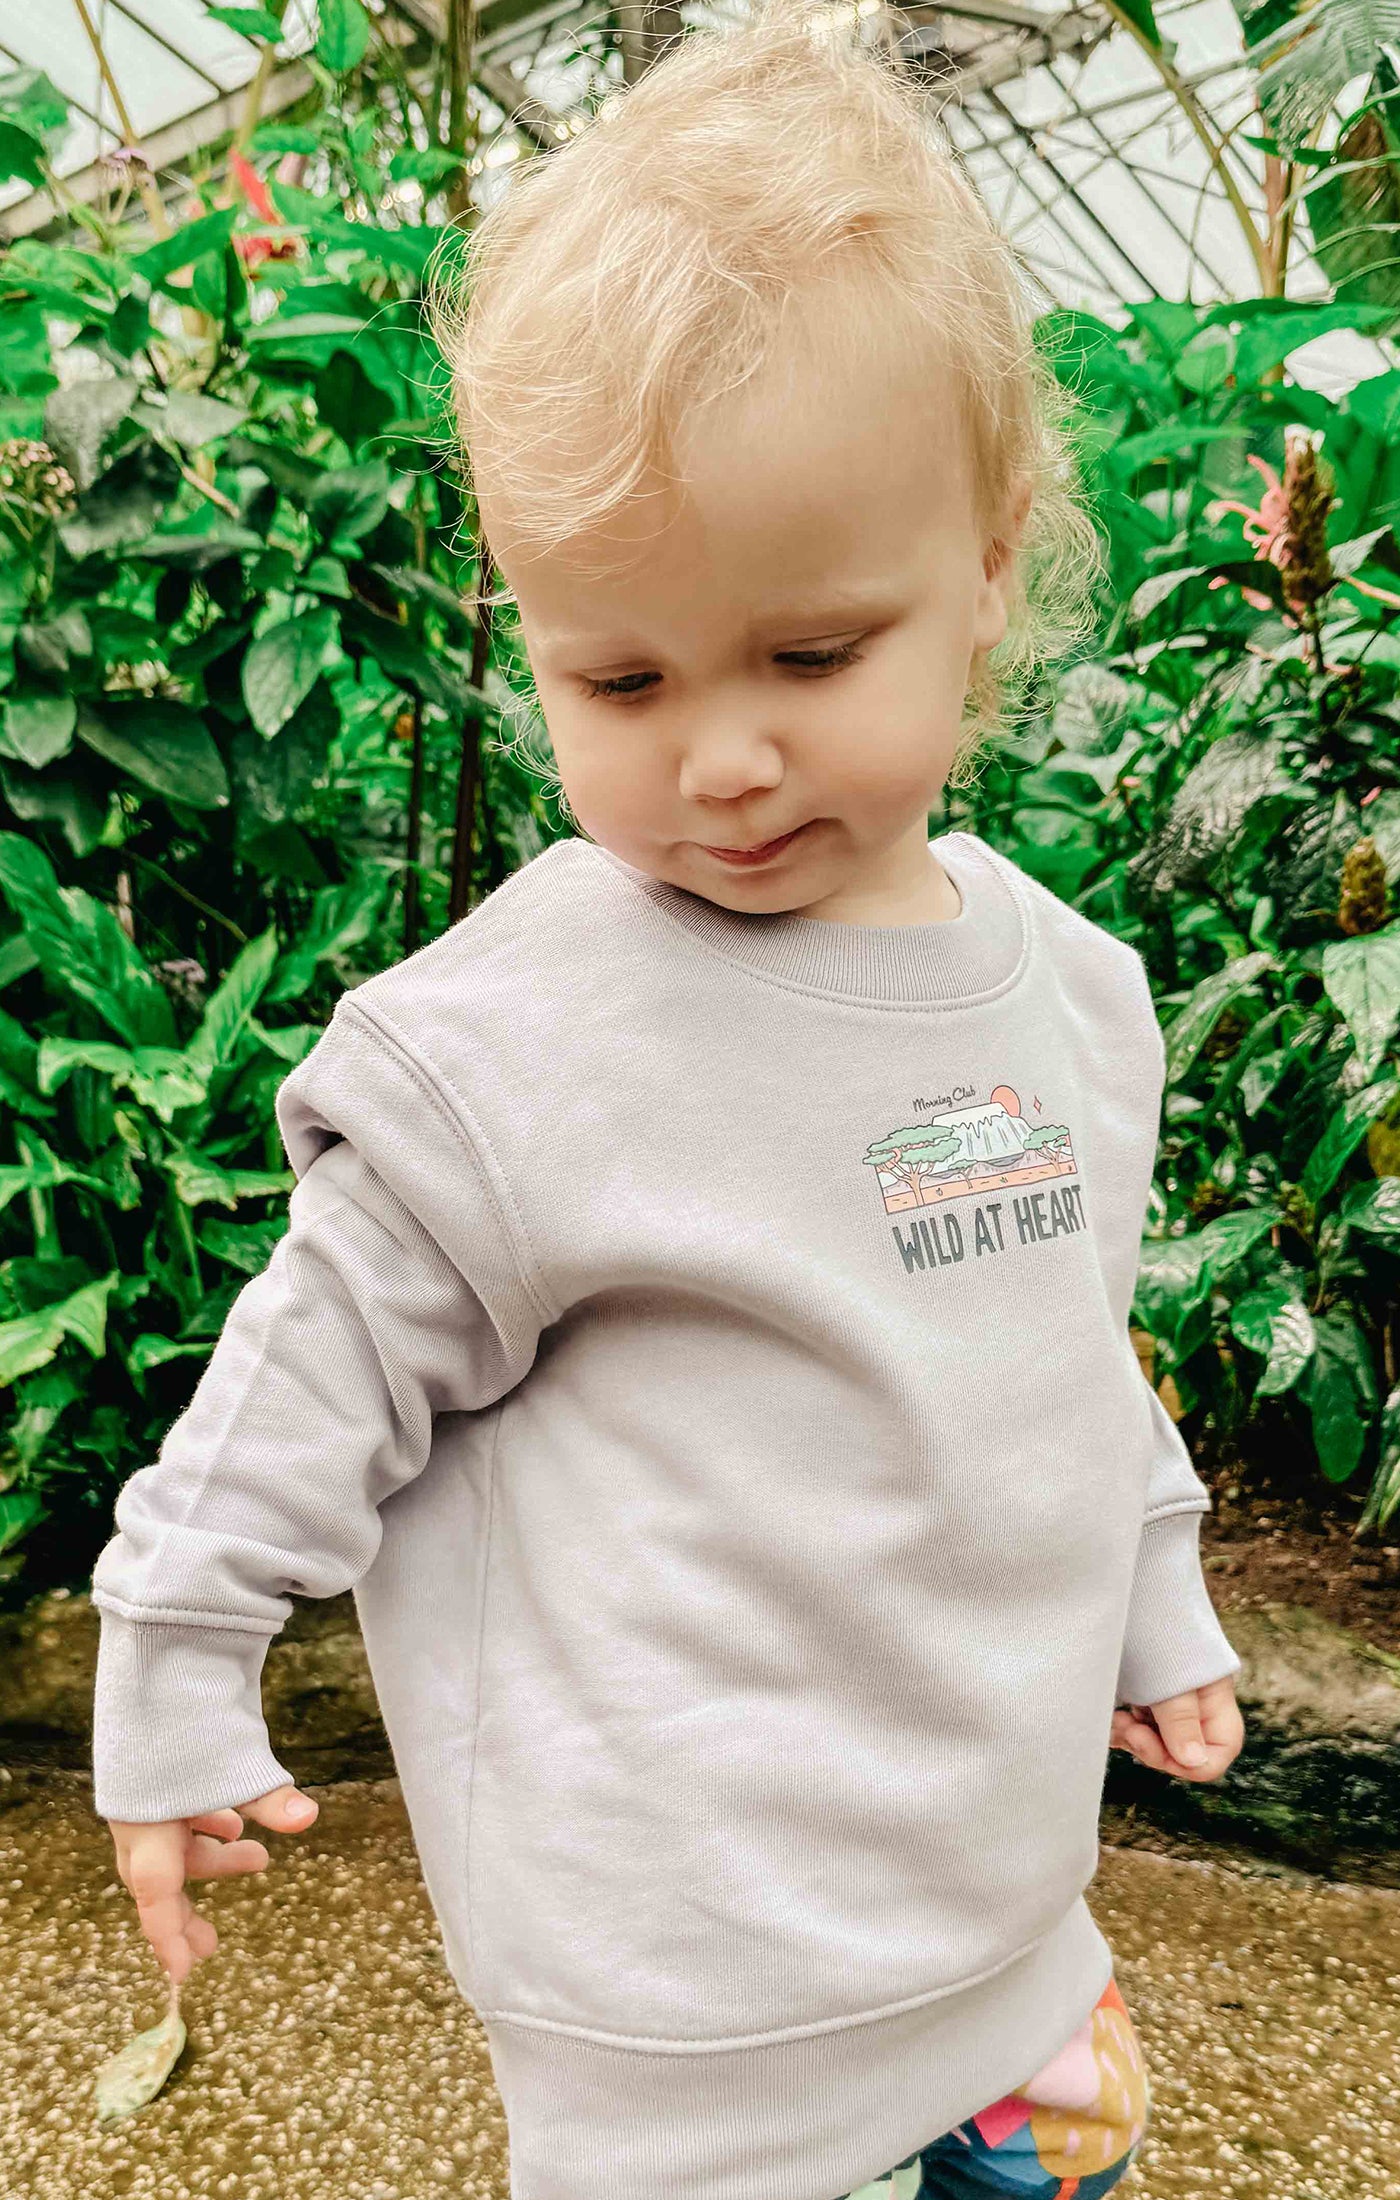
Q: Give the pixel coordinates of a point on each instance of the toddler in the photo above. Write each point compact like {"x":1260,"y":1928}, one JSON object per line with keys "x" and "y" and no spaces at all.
{"x":701,"y":1335}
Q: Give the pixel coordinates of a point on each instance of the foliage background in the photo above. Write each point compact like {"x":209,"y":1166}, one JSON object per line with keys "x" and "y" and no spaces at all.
{"x":254,"y":744}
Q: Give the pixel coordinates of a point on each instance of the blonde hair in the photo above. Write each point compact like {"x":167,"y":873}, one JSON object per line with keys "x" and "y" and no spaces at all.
{"x":641,"y":270}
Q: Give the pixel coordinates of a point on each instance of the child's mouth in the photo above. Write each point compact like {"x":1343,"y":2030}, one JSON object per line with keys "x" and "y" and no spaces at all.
{"x":744,"y":859}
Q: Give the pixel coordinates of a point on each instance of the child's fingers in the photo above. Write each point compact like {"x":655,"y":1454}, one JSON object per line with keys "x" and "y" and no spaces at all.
{"x":1141,"y":1740}
{"x":1179,"y":1724}
{"x":213,"y":1859}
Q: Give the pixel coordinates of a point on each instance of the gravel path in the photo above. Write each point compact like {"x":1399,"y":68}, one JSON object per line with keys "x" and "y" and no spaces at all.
{"x":330,"y":2056}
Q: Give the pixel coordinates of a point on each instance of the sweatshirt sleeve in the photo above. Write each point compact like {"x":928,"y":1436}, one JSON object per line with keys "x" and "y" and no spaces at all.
{"x":399,"y":1292}
{"x":1173,"y":1640}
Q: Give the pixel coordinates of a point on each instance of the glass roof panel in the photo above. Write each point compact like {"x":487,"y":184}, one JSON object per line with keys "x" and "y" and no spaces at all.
{"x":1080,"y":150}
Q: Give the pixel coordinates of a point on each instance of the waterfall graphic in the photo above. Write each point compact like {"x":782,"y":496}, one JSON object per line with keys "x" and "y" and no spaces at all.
{"x":964,"y":1150}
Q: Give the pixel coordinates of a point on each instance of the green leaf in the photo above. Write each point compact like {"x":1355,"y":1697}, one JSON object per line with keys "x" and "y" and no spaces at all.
{"x":197,"y":550}
{"x":20,"y":1510}
{"x":20,"y":155}
{"x":246,"y":1246}
{"x":250,"y":23}
{"x":1345,"y":1130}
{"x":165,"y":745}
{"x":1177,"y":1274}
{"x":341,"y":916}
{"x":197,"y":1179}
{"x":1374,"y":1208}
{"x":33,"y":1340}
{"x":349,"y":500}
{"x":188,"y":417}
{"x":1207,"y":360}
{"x":42,"y":1176}
{"x":429,"y":166}
{"x":1340,"y":1383}
{"x":197,"y":240}
{"x":160,"y":1077}
{"x":343,"y":35}
{"x":38,"y":728}
{"x":283,"y":666}
{"x":1383,"y":1498}
{"x":1262,"y":1076}
{"x":60,"y":796}
{"x":1192,"y":1026}
{"x":150,"y":1350}
{"x":1362,"y":979}
{"x":1274,"y":1321}
{"x":80,"y":416}
{"x":230,"y":1009}
{"x":1139,"y":13}
{"x":82,"y":949}
{"x":1158,"y":587}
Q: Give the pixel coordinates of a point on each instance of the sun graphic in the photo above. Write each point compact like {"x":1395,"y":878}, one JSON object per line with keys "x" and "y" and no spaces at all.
{"x":1010,"y":1100}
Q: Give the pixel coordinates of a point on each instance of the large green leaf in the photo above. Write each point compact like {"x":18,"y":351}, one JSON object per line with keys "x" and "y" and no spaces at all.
{"x":1340,"y":1391}
{"x":1274,"y":1321}
{"x":1362,"y":978}
{"x":1374,"y":1208}
{"x":1192,"y":1025}
{"x":1345,"y":1130}
{"x":82,"y":949}
{"x":1383,"y":1497}
{"x":80,"y":416}
{"x":349,"y":500}
{"x":20,"y":155}
{"x":34,"y":1339}
{"x":229,"y":1009}
{"x":197,"y":1179}
{"x":39,"y":727}
{"x":1177,"y":1274}
{"x":284,"y":664}
{"x":1223,"y":788}
{"x":341,"y":916}
{"x":343,"y":34}
{"x":188,"y":417}
{"x":164,"y":745}
{"x":160,"y":1077}
{"x":193,"y":241}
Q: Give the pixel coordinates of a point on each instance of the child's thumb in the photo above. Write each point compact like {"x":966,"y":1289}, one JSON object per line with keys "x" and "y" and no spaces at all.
{"x":282,"y":1808}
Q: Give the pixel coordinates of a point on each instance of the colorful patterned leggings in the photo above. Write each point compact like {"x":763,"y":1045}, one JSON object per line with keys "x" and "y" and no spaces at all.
{"x":1070,"y":2132}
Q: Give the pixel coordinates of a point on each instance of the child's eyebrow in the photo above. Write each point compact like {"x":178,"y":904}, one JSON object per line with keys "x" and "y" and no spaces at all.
{"x":836,"y":609}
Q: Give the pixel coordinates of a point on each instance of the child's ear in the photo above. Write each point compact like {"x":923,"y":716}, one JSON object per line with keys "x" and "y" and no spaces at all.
{"x":998,"y":561}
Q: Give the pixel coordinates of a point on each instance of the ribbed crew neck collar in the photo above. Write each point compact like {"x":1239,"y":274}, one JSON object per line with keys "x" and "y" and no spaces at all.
{"x":980,"y":951}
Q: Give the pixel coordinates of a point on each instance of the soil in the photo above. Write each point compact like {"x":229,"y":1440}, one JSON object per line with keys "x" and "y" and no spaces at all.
{"x":1261,"y":1546}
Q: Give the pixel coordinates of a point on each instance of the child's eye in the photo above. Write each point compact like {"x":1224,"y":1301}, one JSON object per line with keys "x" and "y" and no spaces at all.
{"x":821,"y":660}
{"x":805,"y":660}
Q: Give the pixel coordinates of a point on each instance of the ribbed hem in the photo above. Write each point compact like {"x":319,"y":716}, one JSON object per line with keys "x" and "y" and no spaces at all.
{"x":981,"y":951}
{"x":791,"y":2117}
{"x":1173,"y":1640}
{"x":177,"y":1720}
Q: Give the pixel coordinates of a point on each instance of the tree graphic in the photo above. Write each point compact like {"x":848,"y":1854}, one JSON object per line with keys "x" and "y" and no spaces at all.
{"x":1052,"y":1138}
{"x":911,"y":1152}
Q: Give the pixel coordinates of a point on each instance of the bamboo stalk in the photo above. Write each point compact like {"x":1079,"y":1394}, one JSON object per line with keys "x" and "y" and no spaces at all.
{"x":146,"y":182}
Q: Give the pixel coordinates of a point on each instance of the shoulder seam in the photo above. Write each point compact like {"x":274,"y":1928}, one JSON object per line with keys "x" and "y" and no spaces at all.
{"x":435,"y":1086}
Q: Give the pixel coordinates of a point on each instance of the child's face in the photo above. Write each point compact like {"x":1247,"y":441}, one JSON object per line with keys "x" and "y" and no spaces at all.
{"x":793,"y":651}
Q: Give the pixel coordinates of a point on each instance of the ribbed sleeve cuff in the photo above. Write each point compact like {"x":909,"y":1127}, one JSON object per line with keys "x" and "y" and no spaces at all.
{"x":1173,"y":1640}
{"x":177,"y":1724}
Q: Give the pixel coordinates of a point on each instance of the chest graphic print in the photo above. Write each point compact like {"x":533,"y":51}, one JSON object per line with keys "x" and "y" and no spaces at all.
{"x":954,"y":1161}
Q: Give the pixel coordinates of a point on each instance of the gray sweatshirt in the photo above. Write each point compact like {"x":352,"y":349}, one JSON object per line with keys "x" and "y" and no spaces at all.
{"x":701,"y":1342}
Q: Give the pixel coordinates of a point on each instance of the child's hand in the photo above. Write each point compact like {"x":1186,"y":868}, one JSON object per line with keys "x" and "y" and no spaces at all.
{"x":154,"y":1861}
{"x":1164,"y":1735}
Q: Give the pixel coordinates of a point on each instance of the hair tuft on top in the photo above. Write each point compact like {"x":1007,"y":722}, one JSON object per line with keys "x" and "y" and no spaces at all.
{"x":641,"y":270}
